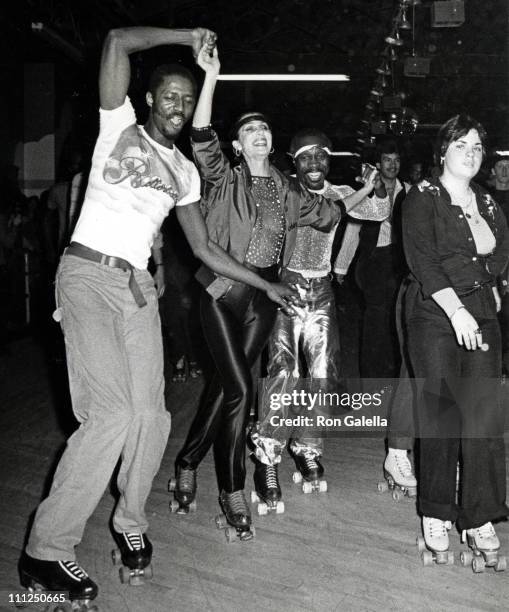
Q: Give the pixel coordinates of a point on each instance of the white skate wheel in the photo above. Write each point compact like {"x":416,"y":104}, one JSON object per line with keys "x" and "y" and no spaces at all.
{"x":478,"y":565}
{"x":254,"y":497}
{"x":307,"y":487}
{"x":220,"y":521}
{"x":427,"y":558}
{"x":174,"y":506}
{"x":116,"y":556}
{"x":172,"y":485}
{"x":450,"y":558}
{"x":262,"y":509}
{"x":382,"y":487}
{"x":322,"y":486}
{"x":230,"y":534}
{"x":466,"y":558}
{"x":421,"y":544}
{"x":297,"y":477}
{"x":280,"y":507}
{"x":192,"y":506}
{"x":396,"y":495}
{"x":125,"y":574}
{"x":148,"y":572}
{"x":501,"y":564}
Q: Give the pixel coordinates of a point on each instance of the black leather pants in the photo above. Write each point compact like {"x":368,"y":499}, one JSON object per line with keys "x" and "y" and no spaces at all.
{"x":236,"y":328}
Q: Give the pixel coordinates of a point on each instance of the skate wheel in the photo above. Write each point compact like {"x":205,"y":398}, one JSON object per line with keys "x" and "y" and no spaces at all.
{"x":427,"y":558}
{"x":297,"y":477}
{"x":254,"y":497}
{"x":148,"y":572}
{"x":125,"y":574}
{"x":421,"y":545}
{"x":466,"y":558}
{"x":230,"y":534}
{"x":116,"y":556}
{"x":412,"y":492}
{"x":478,"y":565}
{"x":220,"y":521}
{"x":322,"y":486}
{"x":382,"y":487}
{"x":280,"y":507}
{"x":136,"y":579}
{"x":172,"y":485}
{"x":396,"y":495}
{"x":262,"y":509}
{"x":174,"y":506}
{"x":307,"y":487}
{"x":501,"y":564}
{"x":450,"y":558}
{"x":192,"y":506}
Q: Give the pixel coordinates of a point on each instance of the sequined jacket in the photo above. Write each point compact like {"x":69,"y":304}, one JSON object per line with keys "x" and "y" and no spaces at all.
{"x":229,"y":207}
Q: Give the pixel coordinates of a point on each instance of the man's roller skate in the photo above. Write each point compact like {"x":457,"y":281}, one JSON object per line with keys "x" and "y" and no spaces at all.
{"x":135,"y":553}
{"x":267,"y":492}
{"x":236,"y":517}
{"x":183,"y":487}
{"x":63,"y":576}
{"x":399,"y":476}
{"x":310,"y":472}
{"x":434,"y":547}
{"x":485,"y":546}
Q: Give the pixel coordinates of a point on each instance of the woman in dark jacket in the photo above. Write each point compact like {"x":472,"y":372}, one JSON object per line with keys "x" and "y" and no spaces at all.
{"x":251,"y":210}
{"x":456,"y":244}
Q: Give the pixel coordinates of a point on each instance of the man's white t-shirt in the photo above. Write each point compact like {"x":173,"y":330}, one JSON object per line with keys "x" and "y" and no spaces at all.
{"x":134,"y":183}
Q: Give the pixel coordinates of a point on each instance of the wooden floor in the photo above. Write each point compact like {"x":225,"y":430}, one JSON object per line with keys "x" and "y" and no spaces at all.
{"x":348,"y":549}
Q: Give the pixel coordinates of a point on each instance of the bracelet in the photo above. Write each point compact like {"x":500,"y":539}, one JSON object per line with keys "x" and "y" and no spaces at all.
{"x":203,"y":129}
{"x":459,"y":308}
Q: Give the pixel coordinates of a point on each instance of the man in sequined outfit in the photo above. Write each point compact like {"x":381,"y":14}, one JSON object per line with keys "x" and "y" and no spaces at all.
{"x":316,"y":327}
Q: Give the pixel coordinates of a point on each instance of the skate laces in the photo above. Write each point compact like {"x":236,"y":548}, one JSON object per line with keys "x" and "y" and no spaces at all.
{"x":271,"y":477}
{"x":134,"y":540}
{"x":437,"y":528}
{"x":186,"y":480}
{"x":237,"y":502}
{"x":485,"y":534}
{"x":73,"y":570}
{"x":310,"y":462}
{"x":403,"y":465}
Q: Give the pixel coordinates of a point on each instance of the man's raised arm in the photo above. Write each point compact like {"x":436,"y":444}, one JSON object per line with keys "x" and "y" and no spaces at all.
{"x":115,"y":71}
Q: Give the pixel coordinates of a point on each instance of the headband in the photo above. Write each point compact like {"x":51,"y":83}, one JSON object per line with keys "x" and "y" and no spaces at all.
{"x":308,"y":147}
{"x":246,"y":119}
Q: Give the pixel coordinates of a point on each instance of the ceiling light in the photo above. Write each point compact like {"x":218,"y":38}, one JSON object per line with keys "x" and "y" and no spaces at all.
{"x":283,"y":77}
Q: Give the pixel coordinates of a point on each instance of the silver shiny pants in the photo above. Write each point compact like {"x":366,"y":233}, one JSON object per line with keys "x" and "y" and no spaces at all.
{"x":316,"y":331}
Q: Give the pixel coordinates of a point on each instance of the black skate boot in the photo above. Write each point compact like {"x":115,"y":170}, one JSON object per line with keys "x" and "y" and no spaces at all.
{"x":267,"y":490}
{"x":311,"y":470}
{"x":184,"y":489}
{"x":66,"y":576}
{"x":135,"y":553}
{"x":236,"y":520}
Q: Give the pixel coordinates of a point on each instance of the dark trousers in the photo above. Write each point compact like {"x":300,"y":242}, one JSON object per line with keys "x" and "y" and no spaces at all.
{"x":460,"y":418}
{"x":236,"y":329}
{"x":378,"y":275}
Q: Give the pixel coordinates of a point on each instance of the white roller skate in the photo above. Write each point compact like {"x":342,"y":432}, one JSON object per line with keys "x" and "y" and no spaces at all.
{"x":399,"y":475}
{"x":434,"y":547}
{"x":485,"y":546}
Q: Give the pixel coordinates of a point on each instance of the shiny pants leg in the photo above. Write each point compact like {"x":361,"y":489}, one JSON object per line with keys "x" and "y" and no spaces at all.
{"x":236,"y":329}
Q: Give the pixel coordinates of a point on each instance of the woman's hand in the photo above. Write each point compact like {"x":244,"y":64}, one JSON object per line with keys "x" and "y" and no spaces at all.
{"x":466,"y":329}
{"x":202,"y":37}
{"x":208,"y":60}
{"x":159,"y":281}
{"x":293,"y":278}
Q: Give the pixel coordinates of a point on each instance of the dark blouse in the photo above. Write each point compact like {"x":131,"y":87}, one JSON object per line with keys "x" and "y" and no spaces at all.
{"x":441,"y":251}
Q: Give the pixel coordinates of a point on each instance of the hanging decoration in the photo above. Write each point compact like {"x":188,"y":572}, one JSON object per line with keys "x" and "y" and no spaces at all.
{"x":400,"y":120}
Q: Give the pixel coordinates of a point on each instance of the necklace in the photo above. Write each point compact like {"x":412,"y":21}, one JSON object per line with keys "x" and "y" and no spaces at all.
{"x":470,"y":212}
